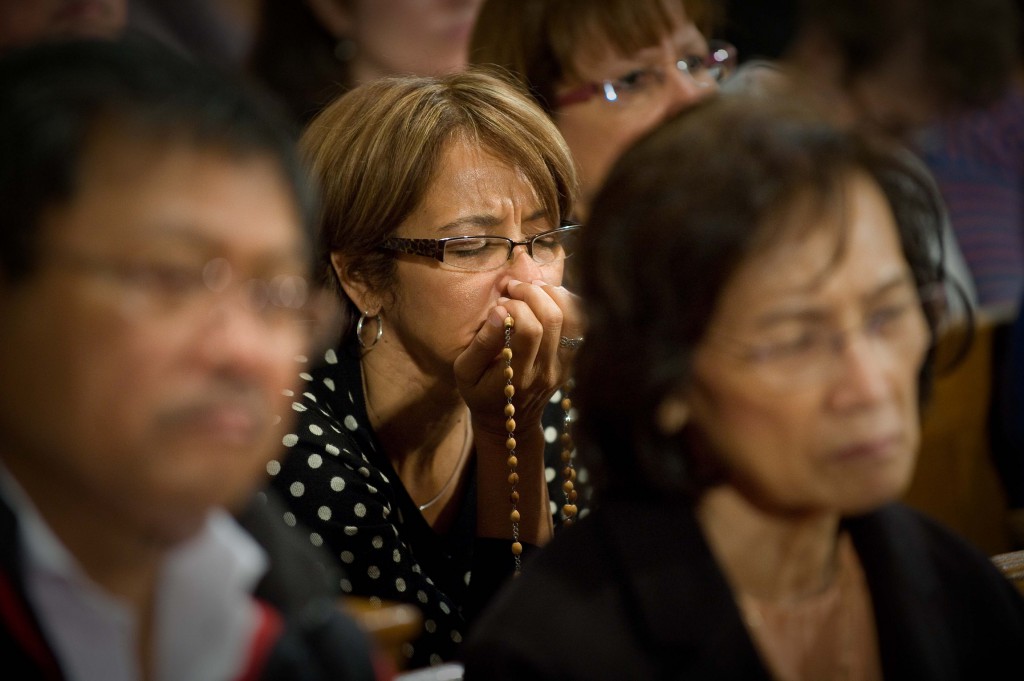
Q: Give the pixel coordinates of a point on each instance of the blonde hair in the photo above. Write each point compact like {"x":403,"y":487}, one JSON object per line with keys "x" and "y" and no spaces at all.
{"x":540,"y":40}
{"x":375,"y":150}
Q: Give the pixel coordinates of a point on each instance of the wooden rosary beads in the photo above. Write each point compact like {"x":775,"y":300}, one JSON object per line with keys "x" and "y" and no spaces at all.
{"x":510,"y":443}
{"x":569,"y":509}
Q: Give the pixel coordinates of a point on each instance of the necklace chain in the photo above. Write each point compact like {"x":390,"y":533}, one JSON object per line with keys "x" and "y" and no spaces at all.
{"x":466,"y":446}
{"x":455,"y":470}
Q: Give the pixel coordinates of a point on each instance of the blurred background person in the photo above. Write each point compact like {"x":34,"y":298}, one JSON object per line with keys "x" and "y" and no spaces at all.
{"x":154,"y":263}
{"x":23,"y":22}
{"x":310,"y":51}
{"x":219,"y":32}
{"x":761,"y":300}
{"x":443,"y":213}
{"x":894,"y":67}
{"x":606,"y":71}
{"x":977,"y":157}
{"x":897,"y":65}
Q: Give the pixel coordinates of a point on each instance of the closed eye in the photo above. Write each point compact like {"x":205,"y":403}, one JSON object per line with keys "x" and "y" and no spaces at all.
{"x":887,"y":317}
{"x":636,"y":80}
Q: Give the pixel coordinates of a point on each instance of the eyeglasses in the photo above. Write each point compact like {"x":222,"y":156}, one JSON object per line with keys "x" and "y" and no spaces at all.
{"x":705,"y":71}
{"x":483,"y":253}
{"x":807,"y":352}
{"x":177,"y":291}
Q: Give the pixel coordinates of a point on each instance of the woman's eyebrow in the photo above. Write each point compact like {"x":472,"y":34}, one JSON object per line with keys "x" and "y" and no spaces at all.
{"x":483,"y":220}
{"x":812,"y":312}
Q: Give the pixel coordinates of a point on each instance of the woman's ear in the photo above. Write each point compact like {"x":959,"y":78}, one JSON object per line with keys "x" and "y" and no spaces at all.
{"x":672,"y":414}
{"x":334,"y":15}
{"x":353,"y":284}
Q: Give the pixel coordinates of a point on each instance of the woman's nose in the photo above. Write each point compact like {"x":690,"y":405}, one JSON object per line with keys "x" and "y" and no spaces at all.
{"x":684,"y":90}
{"x":523,"y":267}
{"x":862,"y":372}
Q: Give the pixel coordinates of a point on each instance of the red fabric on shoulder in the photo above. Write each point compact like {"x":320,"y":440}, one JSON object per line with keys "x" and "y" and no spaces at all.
{"x":24,"y":630}
{"x":268,"y":630}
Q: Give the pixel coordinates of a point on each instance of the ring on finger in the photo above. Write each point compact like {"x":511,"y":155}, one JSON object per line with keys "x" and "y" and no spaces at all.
{"x":571,"y":343}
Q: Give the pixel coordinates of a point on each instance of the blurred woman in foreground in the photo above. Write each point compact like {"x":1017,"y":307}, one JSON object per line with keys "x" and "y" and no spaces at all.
{"x":761,"y":302}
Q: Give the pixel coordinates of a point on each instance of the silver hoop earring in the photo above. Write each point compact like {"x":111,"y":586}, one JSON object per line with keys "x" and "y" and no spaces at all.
{"x":359,"y":329}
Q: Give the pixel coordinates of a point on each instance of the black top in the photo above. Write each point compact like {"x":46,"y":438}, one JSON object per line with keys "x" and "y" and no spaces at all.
{"x":338,"y":483}
{"x":634,"y":592}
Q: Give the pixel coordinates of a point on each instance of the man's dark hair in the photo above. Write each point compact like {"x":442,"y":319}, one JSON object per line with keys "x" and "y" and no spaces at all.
{"x":54,"y":96}
{"x":969,"y":47}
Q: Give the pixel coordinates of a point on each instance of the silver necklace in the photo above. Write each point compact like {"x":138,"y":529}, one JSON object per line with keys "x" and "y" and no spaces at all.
{"x":455,"y":471}
{"x":458,"y":464}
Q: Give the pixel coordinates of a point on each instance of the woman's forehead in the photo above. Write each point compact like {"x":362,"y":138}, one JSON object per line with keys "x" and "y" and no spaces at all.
{"x":827,"y":247}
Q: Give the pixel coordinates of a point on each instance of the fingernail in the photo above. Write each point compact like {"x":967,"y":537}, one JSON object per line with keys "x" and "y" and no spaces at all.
{"x":514,"y":282}
{"x":502,"y":300}
{"x":497,"y":316}
{"x":539,"y":282}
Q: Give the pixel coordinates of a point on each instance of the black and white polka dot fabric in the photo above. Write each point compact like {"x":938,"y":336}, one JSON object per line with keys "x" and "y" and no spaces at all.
{"x":339,"y":486}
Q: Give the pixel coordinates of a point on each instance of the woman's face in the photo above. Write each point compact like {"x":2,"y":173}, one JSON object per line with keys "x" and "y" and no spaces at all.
{"x":598,"y":130}
{"x":426,"y":37}
{"x":806,"y":385}
{"x":437,"y":310}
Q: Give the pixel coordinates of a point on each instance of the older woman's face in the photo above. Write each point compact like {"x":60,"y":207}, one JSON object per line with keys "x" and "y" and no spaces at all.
{"x":597,"y":130}
{"x":438,"y":310}
{"x":806,"y":384}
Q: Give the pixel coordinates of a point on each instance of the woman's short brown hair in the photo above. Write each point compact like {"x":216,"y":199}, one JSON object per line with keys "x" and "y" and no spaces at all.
{"x":376,"y":149}
{"x":538,"y":41}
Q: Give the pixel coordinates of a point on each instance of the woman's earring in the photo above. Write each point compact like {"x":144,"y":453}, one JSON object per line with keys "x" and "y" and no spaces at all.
{"x":359,"y":329}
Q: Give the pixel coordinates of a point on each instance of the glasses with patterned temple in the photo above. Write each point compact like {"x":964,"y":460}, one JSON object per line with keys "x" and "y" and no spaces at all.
{"x":706,"y":71}
{"x":185,"y":289}
{"x":801,"y":351}
{"x":483,"y":253}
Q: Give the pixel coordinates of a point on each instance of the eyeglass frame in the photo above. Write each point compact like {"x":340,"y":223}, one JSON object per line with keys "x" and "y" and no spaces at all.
{"x":606,"y":89}
{"x":152,"y":281}
{"x":434,"y":248}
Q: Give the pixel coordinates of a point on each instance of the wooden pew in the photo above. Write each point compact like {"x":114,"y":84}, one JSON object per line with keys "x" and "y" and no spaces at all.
{"x":956,"y":481}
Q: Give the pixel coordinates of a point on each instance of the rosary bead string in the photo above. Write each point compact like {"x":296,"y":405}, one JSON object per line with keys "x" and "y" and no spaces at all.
{"x":569,"y":509}
{"x":510,"y":444}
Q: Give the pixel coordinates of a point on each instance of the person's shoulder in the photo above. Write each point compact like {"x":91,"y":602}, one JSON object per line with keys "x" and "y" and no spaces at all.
{"x":920,"y":544}
{"x":321,"y":643}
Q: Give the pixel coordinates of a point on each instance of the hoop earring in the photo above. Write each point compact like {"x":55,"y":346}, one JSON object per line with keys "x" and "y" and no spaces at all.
{"x":359,"y":329}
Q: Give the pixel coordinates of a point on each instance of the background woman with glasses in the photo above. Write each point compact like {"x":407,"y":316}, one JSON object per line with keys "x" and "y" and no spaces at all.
{"x":443,"y":209}
{"x":606,"y":71}
{"x":758,"y":290}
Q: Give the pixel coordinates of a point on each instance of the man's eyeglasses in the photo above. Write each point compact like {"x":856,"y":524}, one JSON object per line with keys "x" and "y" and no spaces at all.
{"x":483,"y":253}
{"x":706,"y":71}
{"x":179,"y":290}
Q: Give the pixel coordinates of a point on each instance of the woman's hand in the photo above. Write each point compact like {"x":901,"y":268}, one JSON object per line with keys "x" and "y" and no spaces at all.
{"x":543,"y":314}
